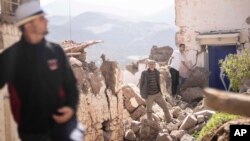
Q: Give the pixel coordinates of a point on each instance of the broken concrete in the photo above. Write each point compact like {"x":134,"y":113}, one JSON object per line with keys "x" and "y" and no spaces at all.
{"x":192,"y":94}
{"x":161,"y":54}
{"x":177,"y":134}
{"x":198,"y":78}
{"x":130,"y":135}
{"x":112,"y":111}
{"x":189,"y":122}
{"x":163,"y":137}
{"x":187,"y":137}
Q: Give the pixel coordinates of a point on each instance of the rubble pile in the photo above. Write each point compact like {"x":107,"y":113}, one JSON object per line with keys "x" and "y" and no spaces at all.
{"x":139,"y":128}
{"x":191,"y":90}
{"x":112,"y":111}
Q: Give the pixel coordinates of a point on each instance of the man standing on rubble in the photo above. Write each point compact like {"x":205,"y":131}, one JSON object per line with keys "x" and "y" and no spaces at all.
{"x":150,"y":90}
{"x":41,"y":84}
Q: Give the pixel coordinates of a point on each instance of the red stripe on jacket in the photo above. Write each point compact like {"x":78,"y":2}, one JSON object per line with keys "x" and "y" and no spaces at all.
{"x":62,"y":93}
{"x":15,"y":102}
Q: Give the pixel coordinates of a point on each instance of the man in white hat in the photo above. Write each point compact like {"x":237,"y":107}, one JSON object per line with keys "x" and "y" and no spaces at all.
{"x":41,"y":84}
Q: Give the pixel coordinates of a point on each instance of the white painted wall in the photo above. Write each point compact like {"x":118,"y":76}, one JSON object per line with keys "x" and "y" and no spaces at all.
{"x":199,"y":16}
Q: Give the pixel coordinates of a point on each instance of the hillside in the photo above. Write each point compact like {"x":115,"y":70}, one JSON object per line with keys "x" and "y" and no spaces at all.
{"x":121,"y":38}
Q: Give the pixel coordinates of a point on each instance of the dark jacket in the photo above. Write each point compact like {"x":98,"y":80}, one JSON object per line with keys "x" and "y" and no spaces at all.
{"x":40,"y":81}
{"x":144,"y":82}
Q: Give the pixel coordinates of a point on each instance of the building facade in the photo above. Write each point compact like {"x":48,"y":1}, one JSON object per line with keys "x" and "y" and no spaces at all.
{"x":212,"y":29}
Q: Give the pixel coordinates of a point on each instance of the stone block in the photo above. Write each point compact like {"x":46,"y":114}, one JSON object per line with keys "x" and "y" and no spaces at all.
{"x":163,"y":137}
{"x":189,"y":122}
{"x":135,"y":126}
{"x":196,"y":128}
{"x":200,"y":118}
{"x":130,"y":135}
{"x":192,"y":94}
{"x":177,"y":134}
{"x":152,"y":124}
{"x":141,"y":110}
{"x":187,"y":137}
{"x":129,"y":92}
{"x":176,"y":111}
{"x":144,"y":131}
{"x":171,"y":126}
{"x":131,"y":104}
{"x":206,"y":113}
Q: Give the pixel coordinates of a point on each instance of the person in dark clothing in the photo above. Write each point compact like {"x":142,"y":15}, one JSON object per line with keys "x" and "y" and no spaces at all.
{"x":41,"y":84}
{"x":150,"y":90}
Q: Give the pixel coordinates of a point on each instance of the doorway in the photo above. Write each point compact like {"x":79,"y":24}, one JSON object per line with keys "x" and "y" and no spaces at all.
{"x":216,"y":53}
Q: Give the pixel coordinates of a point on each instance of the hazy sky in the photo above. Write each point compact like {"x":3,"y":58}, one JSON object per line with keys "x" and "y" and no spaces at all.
{"x":126,"y":8}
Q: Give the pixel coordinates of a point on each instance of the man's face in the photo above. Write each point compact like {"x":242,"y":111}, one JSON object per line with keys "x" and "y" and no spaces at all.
{"x":182,"y":48}
{"x":39,"y":25}
{"x":151,"y":66}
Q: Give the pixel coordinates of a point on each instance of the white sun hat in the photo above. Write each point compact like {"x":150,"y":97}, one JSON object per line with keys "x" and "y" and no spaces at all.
{"x":28,"y":11}
{"x":150,"y":61}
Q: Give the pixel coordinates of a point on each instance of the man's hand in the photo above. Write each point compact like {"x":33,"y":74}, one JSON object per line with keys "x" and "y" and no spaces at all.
{"x":65,"y":114}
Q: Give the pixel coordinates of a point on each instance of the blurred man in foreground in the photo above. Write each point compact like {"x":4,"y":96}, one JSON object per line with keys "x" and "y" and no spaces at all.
{"x":42,"y":87}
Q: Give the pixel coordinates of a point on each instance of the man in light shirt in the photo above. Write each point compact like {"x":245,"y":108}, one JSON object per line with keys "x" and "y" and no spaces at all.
{"x":176,"y":60}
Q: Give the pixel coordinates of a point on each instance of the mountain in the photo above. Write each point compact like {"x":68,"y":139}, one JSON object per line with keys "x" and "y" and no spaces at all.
{"x":121,"y":38}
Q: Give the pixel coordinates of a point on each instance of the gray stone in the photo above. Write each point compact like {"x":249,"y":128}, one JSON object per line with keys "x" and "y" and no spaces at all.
{"x":141,"y":110}
{"x":163,"y":137}
{"x":177,"y":134}
{"x":152,"y":124}
{"x":183,"y":104}
{"x":192,"y":94}
{"x":189,"y":122}
{"x":188,"y":110}
{"x":144,"y":130}
{"x":131,"y":104}
{"x":160,"y":54}
{"x":176,"y":112}
{"x":196,"y":128}
{"x":130,"y":135}
{"x":135,"y":126}
{"x":198,"y":78}
{"x":187,"y":137}
{"x":182,"y":116}
{"x":200,"y":118}
{"x":130,"y":92}
{"x":171,"y":126}
{"x":206,"y":113}
{"x":156,"y":117}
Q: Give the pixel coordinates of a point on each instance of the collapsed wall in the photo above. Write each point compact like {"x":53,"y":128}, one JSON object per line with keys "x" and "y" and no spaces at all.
{"x":101,"y":101}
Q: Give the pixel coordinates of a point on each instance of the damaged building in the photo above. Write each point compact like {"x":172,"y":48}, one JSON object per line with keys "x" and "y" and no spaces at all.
{"x":212,"y":29}
{"x":114,"y":111}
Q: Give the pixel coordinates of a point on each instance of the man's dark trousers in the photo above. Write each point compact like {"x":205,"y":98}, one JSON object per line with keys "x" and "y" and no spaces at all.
{"x":175,"y":80}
